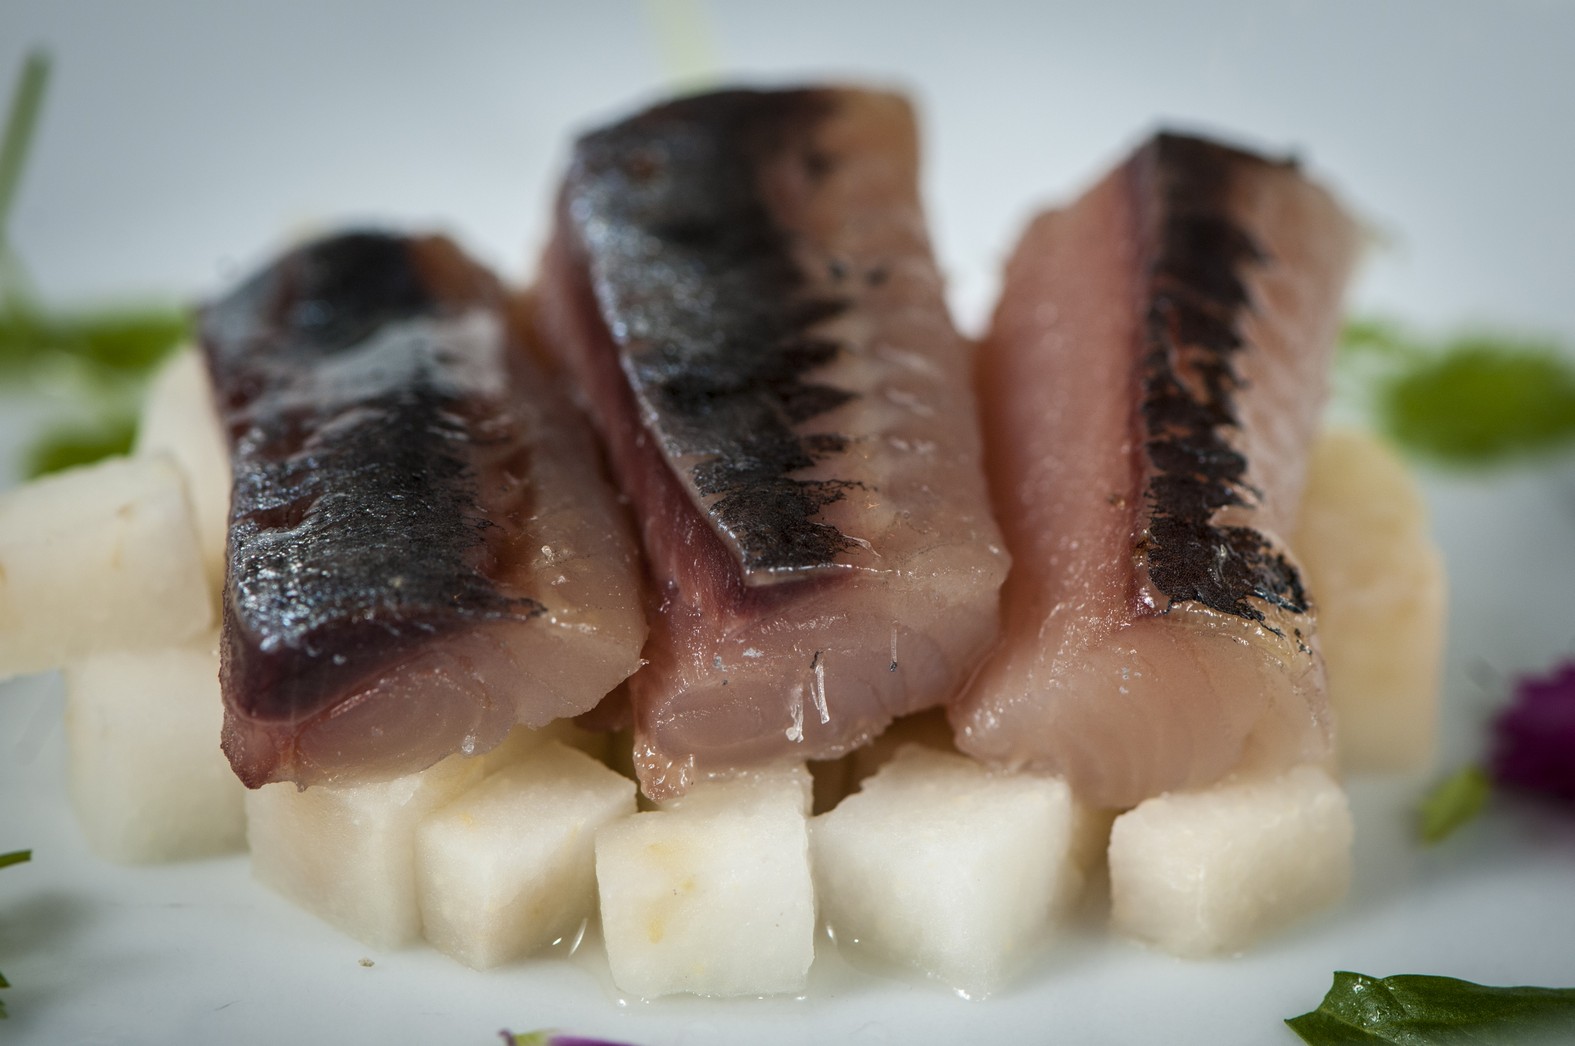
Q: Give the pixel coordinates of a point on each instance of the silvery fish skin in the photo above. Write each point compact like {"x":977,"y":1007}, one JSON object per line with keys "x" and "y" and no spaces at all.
{"x":742,"y":286}
{"x":1151,"y":384}
{"x":422,"y":551}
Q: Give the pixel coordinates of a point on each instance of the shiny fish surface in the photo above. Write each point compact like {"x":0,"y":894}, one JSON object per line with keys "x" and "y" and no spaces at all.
{"x":422,"y":552}
{"x":1151,"y":383}
{"x":742,"y":285}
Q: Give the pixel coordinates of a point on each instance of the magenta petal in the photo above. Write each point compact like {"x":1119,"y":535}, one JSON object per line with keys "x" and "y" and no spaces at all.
{"x":1535,"y":736}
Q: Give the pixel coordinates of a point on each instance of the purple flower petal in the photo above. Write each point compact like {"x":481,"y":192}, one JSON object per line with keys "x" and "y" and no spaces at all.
{"x":1535,"y":736}
{"x":552,"y":1038}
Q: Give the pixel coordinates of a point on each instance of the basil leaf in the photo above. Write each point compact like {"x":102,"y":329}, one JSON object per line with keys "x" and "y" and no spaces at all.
{"x":1421,"y":1010}
{"x":1456,"y":800}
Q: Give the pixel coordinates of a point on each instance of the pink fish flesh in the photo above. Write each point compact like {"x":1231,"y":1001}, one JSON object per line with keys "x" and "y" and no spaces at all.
{"x":1150,"y":385}
{"x":422,"y":551}
{"x":742,"y":286}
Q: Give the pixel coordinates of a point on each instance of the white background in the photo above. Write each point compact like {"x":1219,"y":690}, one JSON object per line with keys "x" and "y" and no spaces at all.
{"x":184,"y":141}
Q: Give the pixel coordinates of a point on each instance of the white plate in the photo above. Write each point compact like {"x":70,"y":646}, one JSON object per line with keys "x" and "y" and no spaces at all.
{"x":182,"y":142}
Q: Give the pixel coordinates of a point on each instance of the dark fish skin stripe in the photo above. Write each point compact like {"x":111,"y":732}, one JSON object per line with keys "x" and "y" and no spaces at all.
{"x":360,"y":422}
{"x":1189,"y":381}
{"x":695,"y":280}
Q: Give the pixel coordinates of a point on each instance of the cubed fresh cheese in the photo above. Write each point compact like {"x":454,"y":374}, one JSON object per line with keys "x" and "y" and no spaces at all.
{"x":509,"y":866}
{"x":178,"y":419}
{"x":711,"y":897}
{"x":148,"y":780}
{"x":347,"y":853}
{"x":522,"y":741}
{"x":942,"y":865}
{"x":1208,"y":872}
{"x":788,"y":785}
{"x":102,"y":557}
{"x":1378,"y":582}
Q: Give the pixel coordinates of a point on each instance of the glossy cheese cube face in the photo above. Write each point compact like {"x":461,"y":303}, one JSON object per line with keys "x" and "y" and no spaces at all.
{"x":148,"y":781}
{"x":711,"y":897}
{"x":102,"y":557}
{"x":943,"y":866}
{"x":1209,"y":872}
{"x":347,"y":854}
{"x":1371,"y":563}
{"x":509,"y":867}
{"x":178,"y":419}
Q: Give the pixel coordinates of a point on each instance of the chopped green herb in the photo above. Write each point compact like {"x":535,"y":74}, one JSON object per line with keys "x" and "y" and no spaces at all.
{"x":95,"y":362}
{"x":68,"y":446}
{"x":6,"y":860}
{"x":20,"y":124}
{"x":1473,"y":400}
{"x":1383,"y":337}
{"x":1484,"y":401}
{"x":1454,"y":801}
{"x":127,"y":341}
{"x":1419,"y":1010}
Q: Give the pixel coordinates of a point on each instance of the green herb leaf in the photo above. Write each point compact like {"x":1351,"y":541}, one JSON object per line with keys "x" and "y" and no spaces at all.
{"x":1380,"y":336}
{"x":1483,"y":401}
{"x":1454,"y":801}
{"x":6,"y":860}
{"x":127,"y":341}
{"x":68,"y":446}
{"x":1419,"y":1010}
{"x":94,"y":362}
{"x":1475,"y":400}
{"x":20,"y":123}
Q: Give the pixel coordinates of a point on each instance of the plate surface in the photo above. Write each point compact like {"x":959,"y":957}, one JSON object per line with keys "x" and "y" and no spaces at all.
{"x":184,"y":142}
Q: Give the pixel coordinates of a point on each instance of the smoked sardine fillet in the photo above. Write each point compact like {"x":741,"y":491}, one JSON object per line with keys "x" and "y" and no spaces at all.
{"x":742,"y":285}
{"x":422,"y":551}
{"x":1150,"y":385}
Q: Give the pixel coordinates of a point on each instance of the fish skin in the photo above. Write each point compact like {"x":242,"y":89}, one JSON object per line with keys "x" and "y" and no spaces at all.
{"x":422,"y":552}
{"x":1151,"y":383}
{"x":742,"y":287}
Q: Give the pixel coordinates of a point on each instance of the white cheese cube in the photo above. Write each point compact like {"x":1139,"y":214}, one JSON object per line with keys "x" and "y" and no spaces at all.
{"x":939,"y":864}
{"x":1377,"y":580}
{"x":148,"y":780}
{"x":521,"y":741}
{"x":347,"y":853}
{"x":1207,"y":872}
{"x":929,"y":728}
{"x":509,"y":866}
{"x":178,"y":419}
{"x":102,"y":557}
{"x":788,"y":785}
{"x":710,"y":898}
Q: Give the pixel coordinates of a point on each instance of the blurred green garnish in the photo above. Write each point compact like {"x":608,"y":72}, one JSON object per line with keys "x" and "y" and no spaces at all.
{"x":1471,"y":400}
{"x":1453,"y":802}
{"x":90,"y":364}
{"x":20,"y":123}
{"x":7,"y":859}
